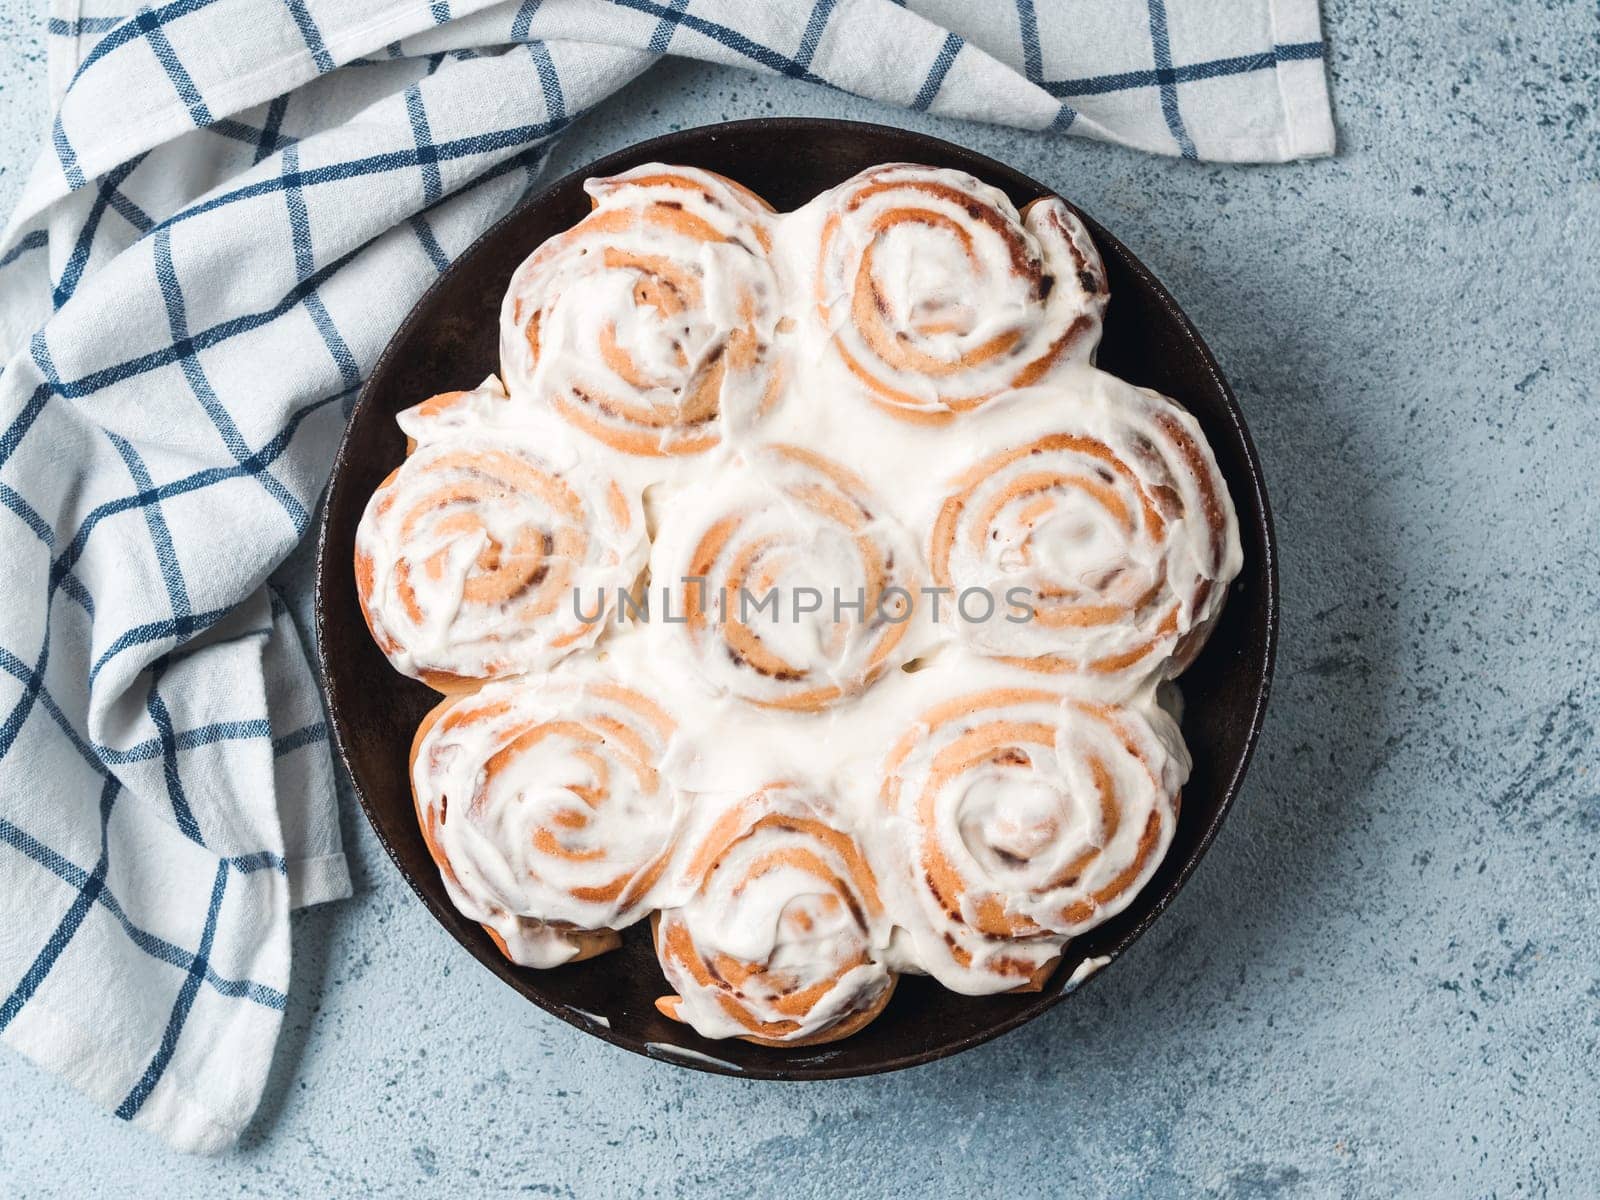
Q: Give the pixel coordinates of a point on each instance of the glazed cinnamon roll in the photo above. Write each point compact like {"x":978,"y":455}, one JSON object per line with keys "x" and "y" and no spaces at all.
{"x":469,"y":557}
{"x":795,"y":588}
{"x":547,"y":813}
{"x":1025,"y":819}
{"x":778,"y":944}
{"x":1106,"y":521}
{"x":936,"y":295}
{"x":649,"y":325}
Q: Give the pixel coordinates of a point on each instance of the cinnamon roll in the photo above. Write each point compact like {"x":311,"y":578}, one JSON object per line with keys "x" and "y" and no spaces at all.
{"x":1106,"y":521}
{"x":1025,"y":819}
{"x":795,"y":588}
{"x":650,"y":325}
{"x":778,"y":944}
{"x":470,"y":555}
{"x":936,"y":295}
{"x":547,"y":812}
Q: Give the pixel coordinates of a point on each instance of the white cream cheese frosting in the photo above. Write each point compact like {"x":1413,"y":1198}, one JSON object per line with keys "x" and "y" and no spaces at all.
{"x":457,"y":414}
{"x":890,"y":389}
{"x":935,"y":295}
{"x":1109,"y":514}
{"x":545,"y":807}
{"x":780,"y":939}
{"x":468,"y":554}
{"x":1020,"y":821}
{"x":650,"y":324}
{"x":794,"y":586}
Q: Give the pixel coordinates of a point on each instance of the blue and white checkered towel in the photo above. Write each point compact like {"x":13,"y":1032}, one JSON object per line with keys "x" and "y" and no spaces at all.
{"x":237,"y":203}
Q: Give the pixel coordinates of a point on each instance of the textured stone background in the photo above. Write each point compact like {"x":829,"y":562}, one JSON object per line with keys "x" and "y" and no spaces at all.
{"x":1385,"y":980}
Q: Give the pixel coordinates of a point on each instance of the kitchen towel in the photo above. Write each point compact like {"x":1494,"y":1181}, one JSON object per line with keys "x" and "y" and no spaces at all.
{"x":235,"y":204}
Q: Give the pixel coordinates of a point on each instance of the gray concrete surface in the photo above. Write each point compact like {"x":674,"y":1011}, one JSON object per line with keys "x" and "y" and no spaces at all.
{"x":1385,"y":980}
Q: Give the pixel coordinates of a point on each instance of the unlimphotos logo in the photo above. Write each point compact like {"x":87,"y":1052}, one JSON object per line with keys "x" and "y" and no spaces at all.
{"x":893,"y":605}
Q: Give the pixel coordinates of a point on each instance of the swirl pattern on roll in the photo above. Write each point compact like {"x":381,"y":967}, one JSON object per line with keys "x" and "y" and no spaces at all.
{"x":1111,"y":517}
{"x":938,"y":296}
{"x":651,"y":324}
{"x":742,"y":562}
{"x":469,"y":556}
{"x":1026,"y":819}
{"x":778,"y":944}
{"x":547,"y":812}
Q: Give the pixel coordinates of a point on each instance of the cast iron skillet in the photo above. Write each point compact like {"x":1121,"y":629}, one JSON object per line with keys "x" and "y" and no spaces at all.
{"x":449,"y":341}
